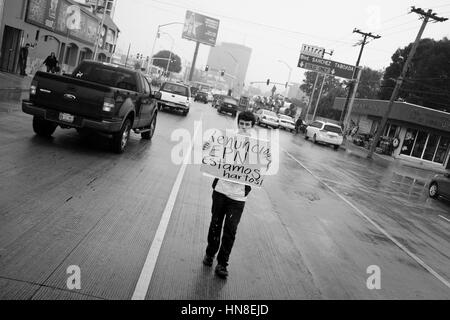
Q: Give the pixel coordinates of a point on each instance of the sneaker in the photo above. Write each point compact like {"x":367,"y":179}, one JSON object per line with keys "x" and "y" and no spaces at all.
{"x":221,"y":271}
{"x":208,"y":261}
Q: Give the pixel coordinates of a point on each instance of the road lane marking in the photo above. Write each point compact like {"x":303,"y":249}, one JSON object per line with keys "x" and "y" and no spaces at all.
{"x":143,"y":283}
{"x":444,"y":218}
{"x":398,"y":244}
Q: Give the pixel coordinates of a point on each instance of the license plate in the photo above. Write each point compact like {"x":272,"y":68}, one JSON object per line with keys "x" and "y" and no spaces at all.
{"x":66,"y":117}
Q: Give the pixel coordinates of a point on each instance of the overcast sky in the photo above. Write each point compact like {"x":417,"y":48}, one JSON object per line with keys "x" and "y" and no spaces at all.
{"x":275,"y":30}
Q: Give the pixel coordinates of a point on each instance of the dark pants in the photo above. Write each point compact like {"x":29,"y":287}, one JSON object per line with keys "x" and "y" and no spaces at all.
{"x":223,"y":208}
{"x":22,"y":66}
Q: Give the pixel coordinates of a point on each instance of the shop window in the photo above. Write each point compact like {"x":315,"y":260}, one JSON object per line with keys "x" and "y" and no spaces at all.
{"x":408,"y":143}
{"x":419,"y":146}
{"x":442,"y":150}
{"x":430,"y":150}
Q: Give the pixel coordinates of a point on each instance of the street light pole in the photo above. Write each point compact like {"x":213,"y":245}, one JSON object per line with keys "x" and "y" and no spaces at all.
{"x":156,"y":37}
{"x":290,"y":73}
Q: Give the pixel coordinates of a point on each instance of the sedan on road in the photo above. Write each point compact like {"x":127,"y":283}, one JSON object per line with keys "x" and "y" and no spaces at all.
{"x":228,"y":105}
{"x":287,"y":123}
{"x":267,"y":118}
{"x":440,"y":186}
{"x":325,"y":132}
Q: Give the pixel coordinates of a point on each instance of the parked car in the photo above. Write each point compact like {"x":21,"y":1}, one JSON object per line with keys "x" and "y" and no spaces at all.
{"x":440,"y":186}
{"x":287,"y":123}
{"x":96,"y":97}
{"x":201,"y":96}
{"x":324,"y":132}
{"x":228,"y":105}
{"x":267,"y":118}
{"x":175,"y":96}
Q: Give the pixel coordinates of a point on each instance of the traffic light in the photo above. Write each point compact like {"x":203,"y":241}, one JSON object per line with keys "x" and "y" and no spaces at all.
{"x":207,"y":68}
{"x":222,"y":73}
{"x":268,"y":81}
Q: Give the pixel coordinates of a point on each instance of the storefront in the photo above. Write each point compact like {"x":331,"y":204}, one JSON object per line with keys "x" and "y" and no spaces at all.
{"x":418,"y":133}
{"x":52,"y":26}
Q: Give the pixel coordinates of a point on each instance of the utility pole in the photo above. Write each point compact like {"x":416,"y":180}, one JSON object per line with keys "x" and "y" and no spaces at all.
{"x":352,"y":84}
{"x":128,"y":54}
{"x":426,"y":16}
{"x":191,"y":74}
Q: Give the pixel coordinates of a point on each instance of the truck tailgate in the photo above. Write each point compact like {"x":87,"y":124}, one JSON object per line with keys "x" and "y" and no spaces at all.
{"x":70,"y":95}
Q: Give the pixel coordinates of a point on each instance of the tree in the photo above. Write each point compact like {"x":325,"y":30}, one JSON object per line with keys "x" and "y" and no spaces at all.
{"x":427,"y":82}
{"x":370,"y":83}
{"x":161,"y":60}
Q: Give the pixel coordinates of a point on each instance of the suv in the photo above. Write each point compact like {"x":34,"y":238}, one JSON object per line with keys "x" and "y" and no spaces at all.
{"x":228,"y":105}
{"x":201,"y":96}
{"x":175,"y":96}
{"x":325,"y":132}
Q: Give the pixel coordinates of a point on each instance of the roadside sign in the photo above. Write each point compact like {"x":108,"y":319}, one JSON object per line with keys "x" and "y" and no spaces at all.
{"x":314,"y":51}
{"x":325,"y":66}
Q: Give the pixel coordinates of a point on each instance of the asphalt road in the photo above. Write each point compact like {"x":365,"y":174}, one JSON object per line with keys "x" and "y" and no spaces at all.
{"x":136,"y":224}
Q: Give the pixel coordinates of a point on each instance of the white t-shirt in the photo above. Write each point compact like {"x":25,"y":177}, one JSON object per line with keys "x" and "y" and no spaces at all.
{"x":232,"y":190}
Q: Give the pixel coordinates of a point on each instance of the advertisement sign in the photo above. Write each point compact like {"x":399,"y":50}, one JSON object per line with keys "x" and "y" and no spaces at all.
{"x":237,"y":158}
{"x":62,"y":17}
{"x":200,"y":28}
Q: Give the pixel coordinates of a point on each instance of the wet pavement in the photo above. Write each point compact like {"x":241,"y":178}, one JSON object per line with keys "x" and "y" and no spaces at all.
{"x":310,"y":233}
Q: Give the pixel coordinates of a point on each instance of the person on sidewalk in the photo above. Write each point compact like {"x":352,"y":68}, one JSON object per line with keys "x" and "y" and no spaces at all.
{"x":51,"y":63}
{"x":228,"y":204}
{"x":23,"y":58}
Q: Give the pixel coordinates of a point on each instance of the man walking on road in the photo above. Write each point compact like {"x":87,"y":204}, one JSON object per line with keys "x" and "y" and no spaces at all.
{"x":228,"y":203}
{"x":51,"y":63}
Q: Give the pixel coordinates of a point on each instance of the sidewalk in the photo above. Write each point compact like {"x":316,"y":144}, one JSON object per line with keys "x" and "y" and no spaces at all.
{"x":419,"y":168}
{"x":14,"y":82}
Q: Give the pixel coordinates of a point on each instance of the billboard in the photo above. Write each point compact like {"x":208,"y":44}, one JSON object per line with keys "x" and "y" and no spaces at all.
{"x":200,"y":28}
{"x":54,"y":15}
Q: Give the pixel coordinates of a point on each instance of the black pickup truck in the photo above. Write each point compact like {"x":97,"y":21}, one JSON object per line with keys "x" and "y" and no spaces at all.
{"x":98,"y":97}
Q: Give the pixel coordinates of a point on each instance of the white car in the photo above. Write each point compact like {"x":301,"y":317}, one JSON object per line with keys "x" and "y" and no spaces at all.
{"x":325,"y":132}
{"x":287,"y":123}
{"x":175,"y":96}
{"x":267,"y":118}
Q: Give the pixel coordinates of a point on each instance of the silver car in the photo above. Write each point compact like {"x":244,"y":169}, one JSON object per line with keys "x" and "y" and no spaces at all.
{"x":440,"y":186}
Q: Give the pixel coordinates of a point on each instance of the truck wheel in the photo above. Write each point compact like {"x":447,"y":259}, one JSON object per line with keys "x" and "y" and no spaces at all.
{"x":43,"y":127}
{"x":149,"y":134}
{"x":185,"y":113}
{"x":336,"y":147}
{"x":120,"y":139}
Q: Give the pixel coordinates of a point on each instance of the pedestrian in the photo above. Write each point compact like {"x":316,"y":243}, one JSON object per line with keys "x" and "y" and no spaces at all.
{"x":298,"y":124}
{"x":228,"y":202}
{"x":23,"y":58}
{"x":51,"y":63}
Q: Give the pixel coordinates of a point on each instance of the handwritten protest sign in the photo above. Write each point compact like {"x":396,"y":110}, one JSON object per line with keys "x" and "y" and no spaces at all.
{"x":236,"y":158}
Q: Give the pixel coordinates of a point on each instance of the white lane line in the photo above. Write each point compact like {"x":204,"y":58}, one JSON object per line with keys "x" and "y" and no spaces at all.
{"x":147,"y":271}
{"x":398,"y":244}
{"x":444,"y":218}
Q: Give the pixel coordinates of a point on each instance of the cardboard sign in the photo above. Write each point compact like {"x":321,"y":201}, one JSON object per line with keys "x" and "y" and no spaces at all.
{"x":237,"y":158}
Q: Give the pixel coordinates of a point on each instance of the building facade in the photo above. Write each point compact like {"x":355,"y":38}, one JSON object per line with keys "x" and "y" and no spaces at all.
{"x":232,"y":58}
{"x":44,"y":25}
{"x":423,"y":133}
